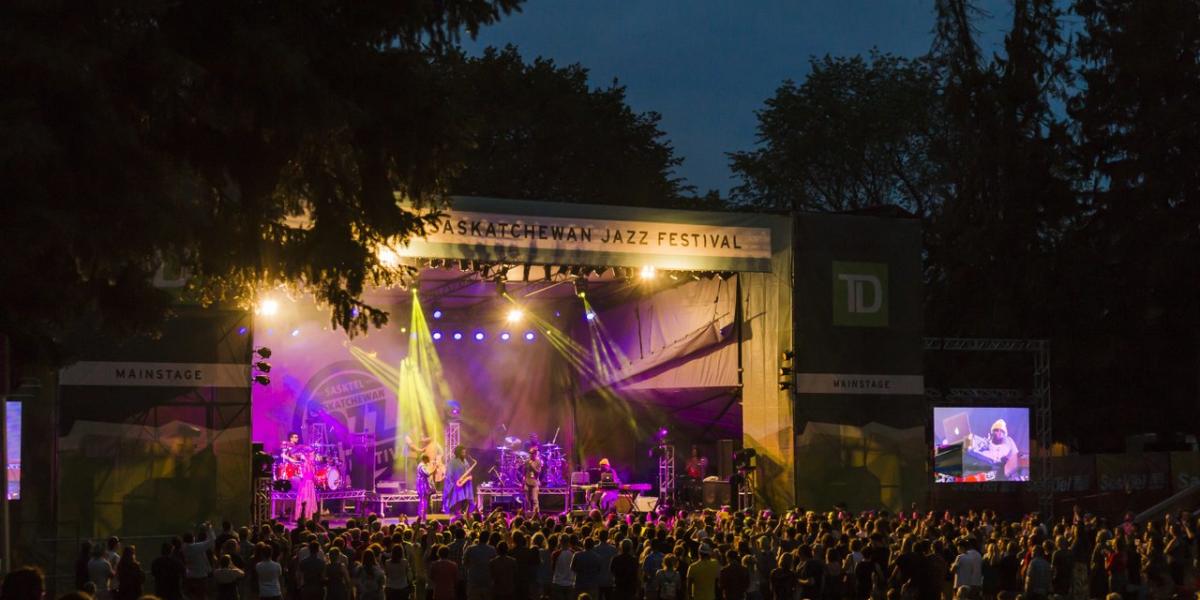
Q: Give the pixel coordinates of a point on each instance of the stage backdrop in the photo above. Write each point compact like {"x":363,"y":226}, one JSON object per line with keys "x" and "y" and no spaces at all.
{"x":669,"y":360}
{"x":859,"y":334}
{"x":154,"y":436}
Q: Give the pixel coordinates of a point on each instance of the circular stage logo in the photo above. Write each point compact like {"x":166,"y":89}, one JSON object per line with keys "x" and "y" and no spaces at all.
{"x":346,"y":401}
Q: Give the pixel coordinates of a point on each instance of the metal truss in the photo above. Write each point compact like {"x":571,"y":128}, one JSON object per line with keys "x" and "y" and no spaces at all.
{"x":666,"y":474}
{"x":260,"y":506}
{"x":453,"y":435}
{"x":1038,"y":397}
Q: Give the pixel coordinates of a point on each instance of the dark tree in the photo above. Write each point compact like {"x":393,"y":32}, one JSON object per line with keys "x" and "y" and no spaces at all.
{"x":855,"y":134}
{"x":251,"y":144}
{"x":1137,"y":114}
{"x":542,"y":133}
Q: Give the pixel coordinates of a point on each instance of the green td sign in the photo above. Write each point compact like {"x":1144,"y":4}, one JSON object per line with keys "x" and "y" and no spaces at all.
{"x":860,"y":294}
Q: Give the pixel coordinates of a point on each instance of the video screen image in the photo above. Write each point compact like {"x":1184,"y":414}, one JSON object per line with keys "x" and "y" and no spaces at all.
{"x":14,"y":449}
{"x":975,"y":444}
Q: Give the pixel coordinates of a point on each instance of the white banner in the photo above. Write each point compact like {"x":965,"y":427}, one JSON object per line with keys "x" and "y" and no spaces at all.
{"x":227,"y":375}
{"x":544,"y":239}
{"x":846,"y":383}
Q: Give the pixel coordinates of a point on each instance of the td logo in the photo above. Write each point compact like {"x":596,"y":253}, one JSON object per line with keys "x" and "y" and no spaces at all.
{"x":860,"y":294}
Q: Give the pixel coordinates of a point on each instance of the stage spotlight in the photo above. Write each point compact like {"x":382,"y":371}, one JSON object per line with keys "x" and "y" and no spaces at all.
{"x":243,"y":330}
{"x":661,"y":435}
{"x":295,"y":332}
{"x":263,"y":366}
{"x":648,"y":272}
{"x":558,"y":313}
{"x":261,"y":380}
{"x":504,"y":336}
{"x":403,"y":330}
{"x":514,"y":315}
{"x":581,"y":286}
{"x":387,"y":257}
{"x":529,"y":336}
{"x":437,"y":313}
{"x":437,"y":335}
{"x":457,"y":335}
{"x":591,"y":316}
{"x":454,"y":408}
{"x":479,"y":336}
{"x":268,"y":307}
{"x":263,"y":352}
{"x":501,"y":286}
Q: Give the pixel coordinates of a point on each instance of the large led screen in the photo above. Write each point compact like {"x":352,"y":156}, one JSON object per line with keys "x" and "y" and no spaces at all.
{"x":974,"y":444}
{"x":13,"y":415}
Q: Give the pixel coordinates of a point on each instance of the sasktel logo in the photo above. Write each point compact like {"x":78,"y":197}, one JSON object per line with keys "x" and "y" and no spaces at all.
{"x":860,"y":294}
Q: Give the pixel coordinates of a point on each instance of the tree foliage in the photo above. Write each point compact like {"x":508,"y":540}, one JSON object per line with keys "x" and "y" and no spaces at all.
{"x":542,"y":132}
{"x":1062,"y":186}
{"x":250,"y":143}
{"x":855,"y":134}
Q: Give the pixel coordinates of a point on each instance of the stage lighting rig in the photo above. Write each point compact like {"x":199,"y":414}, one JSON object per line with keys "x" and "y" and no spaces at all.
{"x":744,"y":459}
{"x":260,"y":367}
{"x":786,"y":367}
{"x":581,"y":287}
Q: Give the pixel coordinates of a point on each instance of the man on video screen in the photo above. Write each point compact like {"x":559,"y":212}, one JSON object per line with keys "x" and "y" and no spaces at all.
{"x":1001,"y":449}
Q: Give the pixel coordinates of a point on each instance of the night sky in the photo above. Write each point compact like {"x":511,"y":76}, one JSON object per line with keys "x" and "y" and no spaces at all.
{"x":707,"y":65}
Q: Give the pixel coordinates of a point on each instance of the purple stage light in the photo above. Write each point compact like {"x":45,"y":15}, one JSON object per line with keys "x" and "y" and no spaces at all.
{"x":479,"y":336}
{"x":437,"y":313}
{"x":504,"y":336}
{"x":243,"y":330}
{"x":558,"y":313}
{"x":457,"y":335}
{"x":437,"y":335}
{"x":529,"y":336}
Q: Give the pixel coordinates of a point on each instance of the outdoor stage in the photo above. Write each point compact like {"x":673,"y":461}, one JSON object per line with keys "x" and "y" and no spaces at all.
{"x":590,"y":332}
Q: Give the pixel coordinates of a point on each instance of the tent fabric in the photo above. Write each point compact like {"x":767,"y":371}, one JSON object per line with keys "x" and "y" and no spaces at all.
{"x":675,"y":338}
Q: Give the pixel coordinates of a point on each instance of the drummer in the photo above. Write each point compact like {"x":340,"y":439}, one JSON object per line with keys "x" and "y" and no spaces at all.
{"x":291,"y":449}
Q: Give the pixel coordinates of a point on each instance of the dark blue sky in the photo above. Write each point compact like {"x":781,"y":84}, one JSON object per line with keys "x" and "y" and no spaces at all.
{"x":707,"y":65}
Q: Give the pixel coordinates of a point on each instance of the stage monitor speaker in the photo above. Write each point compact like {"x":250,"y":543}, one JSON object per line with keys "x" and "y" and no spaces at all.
{"x":724,"y":459}
{"x":716,"y":493}
{"x":362,"y":468}
{"x":645,"y":504}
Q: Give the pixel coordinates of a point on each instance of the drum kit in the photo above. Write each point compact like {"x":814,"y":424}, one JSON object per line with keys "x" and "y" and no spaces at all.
{"x":327,"y":467}
{"x":512,"y":455}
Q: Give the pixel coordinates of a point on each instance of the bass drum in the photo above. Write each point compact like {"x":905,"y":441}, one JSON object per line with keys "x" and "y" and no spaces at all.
{"x":328,"y":478}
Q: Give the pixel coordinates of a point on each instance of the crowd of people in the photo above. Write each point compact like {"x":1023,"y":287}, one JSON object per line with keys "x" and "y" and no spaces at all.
{"x":705,"y":555}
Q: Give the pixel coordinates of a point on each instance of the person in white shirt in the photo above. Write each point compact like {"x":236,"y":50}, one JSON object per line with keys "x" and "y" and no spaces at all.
{"x":967,"y":567}
{"x":269,"y":575}
{"x":195,"y":562}
{"x":113,"y":553}
{"x":101,"y":574}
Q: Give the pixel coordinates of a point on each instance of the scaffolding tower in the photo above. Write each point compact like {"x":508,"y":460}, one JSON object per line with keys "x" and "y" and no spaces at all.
{"x":1039,"y":394}
{"x":666,"y":474}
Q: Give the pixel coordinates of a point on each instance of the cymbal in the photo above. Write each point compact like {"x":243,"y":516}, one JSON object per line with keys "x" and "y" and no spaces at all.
{"x":512,"y":440}
{"x":502,"y":448}
{"x":549,"y":446}
{"x":522,"y":454}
